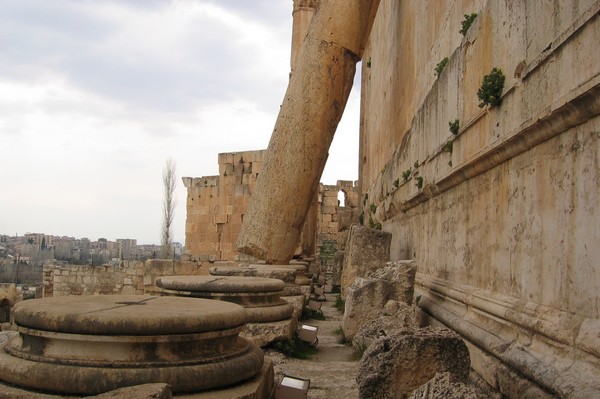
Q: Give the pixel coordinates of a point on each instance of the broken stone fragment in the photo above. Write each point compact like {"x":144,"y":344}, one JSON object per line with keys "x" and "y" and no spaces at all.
{"x":394,"y":318}
{"x":394,"y":366}
{"x":395,"y":281}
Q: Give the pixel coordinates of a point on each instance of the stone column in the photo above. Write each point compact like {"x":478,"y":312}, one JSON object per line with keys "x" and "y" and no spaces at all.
{"x":302,"y":15}
{"x":313,"y":105}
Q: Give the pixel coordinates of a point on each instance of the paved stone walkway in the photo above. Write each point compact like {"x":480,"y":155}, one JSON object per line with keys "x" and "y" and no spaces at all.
{"x":332,"y":370}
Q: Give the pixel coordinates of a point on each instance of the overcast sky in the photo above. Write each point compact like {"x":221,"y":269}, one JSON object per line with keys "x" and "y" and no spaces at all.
{"x":96,"y":95}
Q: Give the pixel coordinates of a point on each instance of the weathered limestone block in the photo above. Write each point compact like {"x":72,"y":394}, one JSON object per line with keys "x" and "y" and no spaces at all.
{"x":446,"y":386}
{"x":366,"y":296}
{"x":263,"y":334}
{"x":313,"y":105}
{"x":402,"y":274}
{"x":394,"y":318}
{"x":394,"y":366}
{"x":145,"y":391}
{"x":366,"y":250}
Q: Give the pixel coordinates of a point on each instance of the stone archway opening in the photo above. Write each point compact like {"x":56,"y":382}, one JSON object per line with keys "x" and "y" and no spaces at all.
{"x":341,"y":198}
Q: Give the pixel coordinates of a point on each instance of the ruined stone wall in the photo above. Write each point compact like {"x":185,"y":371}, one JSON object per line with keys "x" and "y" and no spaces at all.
{"x":216,"y":205}
{"x":334,"y":218}
{"x":133,"y":278}
{"x":503,"y":221}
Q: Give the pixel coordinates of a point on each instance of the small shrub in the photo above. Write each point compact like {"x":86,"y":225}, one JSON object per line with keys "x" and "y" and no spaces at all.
{"x":308,"y":313}
{"x":373,"y":208}
{"x":343,"y":340}
{"x":416,"y":165}
{"x":397,"y":183}
{"x":440,"y":66}
{"x":358,"y":352}
{"x":369,"y":63}
{"x":225,"y":174}
{"x":361,"y":218}
{"x":467,"y":22}
{"x":294,"y":348}
{"x":378,"y":226}
{"x":448,"y":147}
{"x":491,"y":88}
{"x":406,"y":174}
{"x":419,"y":182}
{"x":340,"y":304}
{"x":454,"y":127}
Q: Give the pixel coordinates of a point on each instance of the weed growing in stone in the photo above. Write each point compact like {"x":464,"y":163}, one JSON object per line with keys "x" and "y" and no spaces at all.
{"x":373,"y":208}
{"x":340,"y":304}
{"x":294,"y":348}
{"x":440,"y":66}
{"x":406,"y":174}
{"x":419,"y":182}
{"x":448,"y":147}
{"x":467,"y":22}
{"x":491,"y":88}
{"x":454,"y":127}
{"x":397,"y":183}
{"x":358,"y":352}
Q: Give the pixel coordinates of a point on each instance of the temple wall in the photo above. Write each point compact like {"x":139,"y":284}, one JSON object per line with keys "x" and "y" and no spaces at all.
{"x":503,"y":224}
{"x":133,"y":278}
{"x":216,"y":205}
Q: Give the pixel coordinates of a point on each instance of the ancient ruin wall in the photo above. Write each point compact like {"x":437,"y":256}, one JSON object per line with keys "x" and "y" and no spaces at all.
{"x":334,"y":218}
{"x":133,"y":278}
{"x":216,"y":205}
{"x":503,"y":222}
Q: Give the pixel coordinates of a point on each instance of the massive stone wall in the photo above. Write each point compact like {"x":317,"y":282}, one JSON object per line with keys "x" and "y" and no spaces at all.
{"x":216,"y":205}
{"x":503,"y":221}
{"x":133,"y":278}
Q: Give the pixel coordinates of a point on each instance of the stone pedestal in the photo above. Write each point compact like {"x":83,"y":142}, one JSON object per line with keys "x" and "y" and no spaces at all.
{"x":281,"y":272}
{"x":259,"y":296}
{"x":101,"y":343}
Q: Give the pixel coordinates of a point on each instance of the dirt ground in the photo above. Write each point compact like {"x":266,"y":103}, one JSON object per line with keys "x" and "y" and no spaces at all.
{"x":332,"y":370}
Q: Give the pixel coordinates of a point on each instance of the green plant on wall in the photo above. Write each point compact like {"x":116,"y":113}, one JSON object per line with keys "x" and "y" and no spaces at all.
{"x":454,"y":127}
{"x":491,"y":88}
{"x":448,"y":147}
{"x":373,"y":208}
{"x":406,"y":174}
{"x":440,"y":66}
{"x":397,"y":183}
{"x":419,"y":182}
{"x":467,"y":22}
{"x":416,"y":165}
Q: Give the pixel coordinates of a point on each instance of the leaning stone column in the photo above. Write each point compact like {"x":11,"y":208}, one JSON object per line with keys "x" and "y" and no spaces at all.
{"x":313,"y":105}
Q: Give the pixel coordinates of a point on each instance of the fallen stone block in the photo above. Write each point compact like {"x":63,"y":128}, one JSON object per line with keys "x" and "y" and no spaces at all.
{"x":394,"y":366}
{"x":394,"y":318}
{"x":366,"y":296}
{"x":446,"y":386}
{"x":366,"y":250}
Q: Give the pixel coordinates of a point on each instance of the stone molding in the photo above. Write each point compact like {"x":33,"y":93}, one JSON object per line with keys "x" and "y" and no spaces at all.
{"x":557,"y":350}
